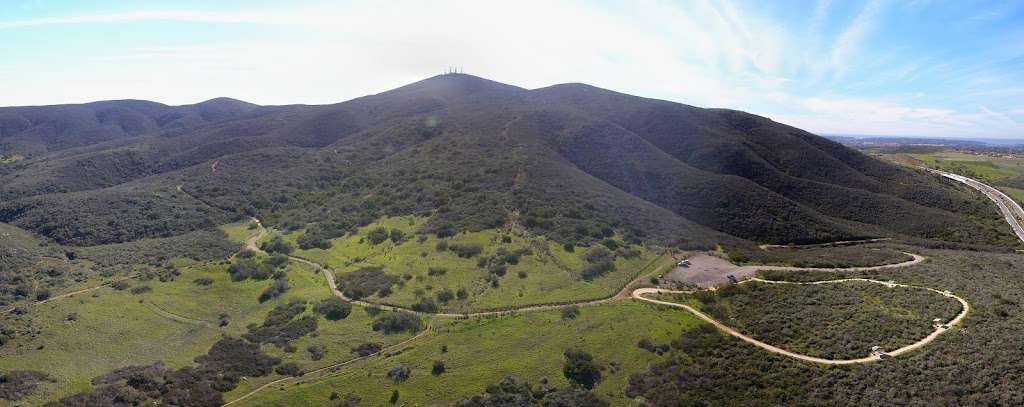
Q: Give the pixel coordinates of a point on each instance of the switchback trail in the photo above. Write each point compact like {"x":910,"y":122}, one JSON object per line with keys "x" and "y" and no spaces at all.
{"x":965,"y":308}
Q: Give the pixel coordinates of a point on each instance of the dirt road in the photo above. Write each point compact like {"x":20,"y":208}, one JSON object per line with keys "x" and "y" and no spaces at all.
{"x":639,"y":294}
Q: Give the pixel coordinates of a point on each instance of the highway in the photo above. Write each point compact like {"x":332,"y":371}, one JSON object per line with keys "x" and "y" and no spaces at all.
{"x":1011,"y":210}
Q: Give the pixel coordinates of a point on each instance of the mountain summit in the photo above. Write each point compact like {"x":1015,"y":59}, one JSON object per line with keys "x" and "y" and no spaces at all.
{"x":573,"y":162}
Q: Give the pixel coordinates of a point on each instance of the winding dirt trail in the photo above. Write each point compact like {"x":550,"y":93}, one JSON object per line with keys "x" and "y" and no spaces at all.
{"x":626,"y":292}
{"x":331,"y":367}
{"x":965,"y":308}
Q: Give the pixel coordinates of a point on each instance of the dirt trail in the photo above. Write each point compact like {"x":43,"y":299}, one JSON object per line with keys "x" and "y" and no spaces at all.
{"x":331,"y":367}
{"x":639,"y":294}
{"x":69,"y":294}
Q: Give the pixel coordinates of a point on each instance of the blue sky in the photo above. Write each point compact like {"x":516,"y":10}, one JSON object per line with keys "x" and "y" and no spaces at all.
{"x":912,"y":67}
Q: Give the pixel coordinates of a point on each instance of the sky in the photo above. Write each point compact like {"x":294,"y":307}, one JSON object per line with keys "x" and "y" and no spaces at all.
{"x":925,"y":68}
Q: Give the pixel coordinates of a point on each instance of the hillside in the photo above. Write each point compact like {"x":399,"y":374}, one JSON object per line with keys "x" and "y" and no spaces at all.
{"x":571,"y":162}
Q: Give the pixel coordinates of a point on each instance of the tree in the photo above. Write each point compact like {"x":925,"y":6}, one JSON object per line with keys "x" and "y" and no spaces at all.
{"x":581,"y":369}
{"x":438,"y":368}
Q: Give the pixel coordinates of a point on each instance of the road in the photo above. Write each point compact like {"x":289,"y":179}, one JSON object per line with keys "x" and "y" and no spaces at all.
{"x":1011,"y":210}
{"x":965,"y":308}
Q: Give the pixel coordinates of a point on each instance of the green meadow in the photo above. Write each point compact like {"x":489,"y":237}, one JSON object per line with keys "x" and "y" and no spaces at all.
{"x":81,"y":337}
{"x":546,"y":273}
{"x":480,"y":351}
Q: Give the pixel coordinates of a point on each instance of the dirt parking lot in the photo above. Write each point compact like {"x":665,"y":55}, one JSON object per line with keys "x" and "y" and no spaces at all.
{"x":707,"y":271}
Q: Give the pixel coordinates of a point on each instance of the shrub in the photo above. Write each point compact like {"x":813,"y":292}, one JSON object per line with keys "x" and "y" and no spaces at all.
{"x":436,"y":271}
{"x":461,"y":294}
{"x":333,"y":308}
{"x":367,"y":349}
{"x":278,"y":287}
{"x":466,"y":250}
{"x":316,"y":352}
{"x":281,"y":327}
{"x":289,"y":369}
{"x":42,"y":294}
{"x":569,"y":247}
{"x":595,"y":270}
{"x":497,"y":269}
{"x":441,"y":246}
{"x":438,"y":368}
{"x":204,"y":281}
{"x":445,"y":294}
{"x":399,"y":373}
{"x":365,"y":282}
{"x":395,"y":322}
{"x":277,"y":245}
{"x":377,"y":235}
{"x":396,"y":236}
{"x":426,"y":305}
{"x":581,"y":369}
{"x":141,"y":289}
{"x":570,"y":312}
{"x":120,"y":285}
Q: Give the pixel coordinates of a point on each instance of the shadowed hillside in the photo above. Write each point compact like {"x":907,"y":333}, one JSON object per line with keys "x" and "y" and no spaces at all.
{"x":572,"y":162}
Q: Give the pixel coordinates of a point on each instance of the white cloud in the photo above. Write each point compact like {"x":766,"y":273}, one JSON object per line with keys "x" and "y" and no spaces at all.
{"x":848,"y":42}
{"x":704,"y":52}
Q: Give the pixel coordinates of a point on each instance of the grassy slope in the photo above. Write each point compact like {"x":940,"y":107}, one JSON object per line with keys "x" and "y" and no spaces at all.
{"x":174,"y":323}
{"x":552,"y":273}
{"x":482,"y":351}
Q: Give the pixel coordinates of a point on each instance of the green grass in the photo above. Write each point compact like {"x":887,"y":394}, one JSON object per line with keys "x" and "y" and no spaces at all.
{"x":993,"y":169}
{"x":239,"y":232}
{"x":173,"y":323}
{"x":482,"y":351}
{"x":551,"y":273}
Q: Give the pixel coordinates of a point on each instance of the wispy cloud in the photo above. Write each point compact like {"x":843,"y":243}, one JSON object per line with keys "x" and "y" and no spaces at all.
{"x":838,"y":69}
{"x":850,"y":39}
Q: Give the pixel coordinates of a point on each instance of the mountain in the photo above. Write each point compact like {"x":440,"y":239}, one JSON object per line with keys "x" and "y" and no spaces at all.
{"x":573,"y":162}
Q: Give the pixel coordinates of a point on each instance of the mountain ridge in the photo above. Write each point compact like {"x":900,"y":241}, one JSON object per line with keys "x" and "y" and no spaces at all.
{"x":453,"y":146}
